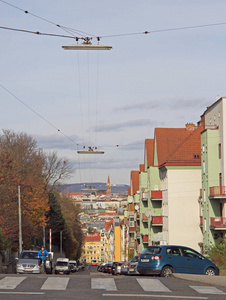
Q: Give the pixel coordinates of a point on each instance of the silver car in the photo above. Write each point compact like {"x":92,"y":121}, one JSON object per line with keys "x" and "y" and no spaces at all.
{"x":28,"y":262}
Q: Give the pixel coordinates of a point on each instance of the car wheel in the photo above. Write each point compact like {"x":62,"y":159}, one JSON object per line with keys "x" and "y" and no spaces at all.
{"x":166,"y":271}
{"x":210,"y":271}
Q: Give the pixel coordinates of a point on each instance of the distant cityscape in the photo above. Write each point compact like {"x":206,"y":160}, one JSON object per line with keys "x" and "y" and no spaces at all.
{"x":101,"y":186}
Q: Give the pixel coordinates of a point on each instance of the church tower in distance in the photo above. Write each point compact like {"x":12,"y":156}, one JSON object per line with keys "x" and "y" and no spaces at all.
{"x":108,"y":191}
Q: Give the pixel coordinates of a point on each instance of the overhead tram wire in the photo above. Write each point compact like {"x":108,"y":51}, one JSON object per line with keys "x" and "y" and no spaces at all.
{"x":38,"y":114}
{"x":67,"y":29}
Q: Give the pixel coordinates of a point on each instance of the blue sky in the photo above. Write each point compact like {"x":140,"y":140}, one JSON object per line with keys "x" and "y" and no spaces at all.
{"x":109,"y":98}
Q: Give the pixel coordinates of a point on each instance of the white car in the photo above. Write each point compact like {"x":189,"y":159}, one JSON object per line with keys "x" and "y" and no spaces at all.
{"x":62,"y":266}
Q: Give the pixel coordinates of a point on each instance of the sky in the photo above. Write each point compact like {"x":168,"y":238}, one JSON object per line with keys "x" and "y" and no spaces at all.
{"x":114,"y":99}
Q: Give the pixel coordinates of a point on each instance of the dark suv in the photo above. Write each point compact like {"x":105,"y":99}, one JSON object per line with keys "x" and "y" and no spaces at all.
{"x":167,"y":259}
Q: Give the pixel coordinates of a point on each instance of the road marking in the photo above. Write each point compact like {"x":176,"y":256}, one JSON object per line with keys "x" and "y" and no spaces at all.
{"x":107,"y":284}
{"x":56,"y":283}
{"x":207,"y":290}
{"x":152,"y":285}
{"x":23,"y":293}
{"x":154,"y":296}
{"x":10,"y":283}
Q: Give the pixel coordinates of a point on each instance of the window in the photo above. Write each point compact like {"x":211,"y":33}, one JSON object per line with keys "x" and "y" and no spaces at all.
{"x":204,"y":167}
{"x":173,"y":251}
{"x":190,"y":253}
{"x":219,"y":147}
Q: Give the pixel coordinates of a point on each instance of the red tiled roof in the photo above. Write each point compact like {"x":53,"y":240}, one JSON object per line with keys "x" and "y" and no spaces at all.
{"x":92,"y":237}
{"x":149,"y":151}
{"x":178,"y":146}
{"x":74,"y":194}
{"x":107,"y":224}
{"x":107,"y":213}
{"x":134,"y":182}
{"x":142,"y":168}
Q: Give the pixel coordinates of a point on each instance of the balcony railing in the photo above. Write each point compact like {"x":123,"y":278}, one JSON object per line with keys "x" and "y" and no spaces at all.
{"x":156,"y":195}
{"x":218,"y":191}
{"x":218,"y":222}
{"x":132,"y":244}
{"x":145,"y":238}
{"x":144,"y":196}
{"x":157,"y":220}
{"x":144,"y":218}
{"x":131,"y":229}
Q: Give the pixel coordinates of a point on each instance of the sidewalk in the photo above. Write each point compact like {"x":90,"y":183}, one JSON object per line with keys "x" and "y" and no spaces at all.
{"x":205,"y":279}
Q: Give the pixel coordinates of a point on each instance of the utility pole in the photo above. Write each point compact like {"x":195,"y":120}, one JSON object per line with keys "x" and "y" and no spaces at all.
{"x":19,"y":213}
{"x":61,"y":242}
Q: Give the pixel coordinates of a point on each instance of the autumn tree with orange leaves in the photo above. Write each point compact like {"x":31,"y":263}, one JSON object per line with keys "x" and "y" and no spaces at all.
{"x":21,"y":164}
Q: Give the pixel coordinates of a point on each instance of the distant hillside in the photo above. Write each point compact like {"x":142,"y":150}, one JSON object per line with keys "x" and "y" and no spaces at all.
{"x":115,"y":188}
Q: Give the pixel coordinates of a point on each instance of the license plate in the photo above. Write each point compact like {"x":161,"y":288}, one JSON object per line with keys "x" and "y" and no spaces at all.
{"x":131,"y":269}
{"x":144,"y":260}
{"x":61,"y":272}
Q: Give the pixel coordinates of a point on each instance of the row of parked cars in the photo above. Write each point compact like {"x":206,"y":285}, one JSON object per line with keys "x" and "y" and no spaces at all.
{"x":163,"y":261}
{"x":28,"y":262}
{"x":120,"y":267}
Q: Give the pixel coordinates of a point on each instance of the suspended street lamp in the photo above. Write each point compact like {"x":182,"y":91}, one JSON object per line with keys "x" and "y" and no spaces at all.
{"x":87,"y":45}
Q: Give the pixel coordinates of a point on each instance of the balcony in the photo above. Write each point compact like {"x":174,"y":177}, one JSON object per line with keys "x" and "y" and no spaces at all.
{"x":218,"y":223}
{"x":132,"y":244}
{"x":145,"y":196}
{"x":131,"y":229}
{"x":217,"y":192}
{"x":156,"y":195}
{"x":145,"y":238}
{"x":157,"y":221}
{"x":131,"y":213}
{"x":144,"y":218}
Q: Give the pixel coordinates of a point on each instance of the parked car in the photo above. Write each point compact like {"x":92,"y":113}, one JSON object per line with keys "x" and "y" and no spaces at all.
{"x":116,"y":268}
{"x":100,"y":268}
{"x":168,"y":259}
{"x":125,"y":266}
{"x":132,"y":269}
{"x":73,"y":266}
{"x":108,"y":268}
{"x":94,"y":262}
{"x":62,"y":266}
{"x":81,"y":266}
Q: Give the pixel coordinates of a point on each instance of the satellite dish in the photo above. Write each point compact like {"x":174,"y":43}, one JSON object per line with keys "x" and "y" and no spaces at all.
{"x":130,"y":200}
{"x":136,"y":207}
{"x":148,"y":213}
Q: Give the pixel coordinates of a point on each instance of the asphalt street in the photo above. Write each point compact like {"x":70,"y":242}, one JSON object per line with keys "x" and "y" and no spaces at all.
{"x":90,"y":284}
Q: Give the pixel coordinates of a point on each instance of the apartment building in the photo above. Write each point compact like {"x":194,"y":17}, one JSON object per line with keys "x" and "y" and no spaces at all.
{"x":213,"y":197}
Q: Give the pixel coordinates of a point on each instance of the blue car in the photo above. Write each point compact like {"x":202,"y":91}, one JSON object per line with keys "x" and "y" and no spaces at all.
{"x":167,"y":259}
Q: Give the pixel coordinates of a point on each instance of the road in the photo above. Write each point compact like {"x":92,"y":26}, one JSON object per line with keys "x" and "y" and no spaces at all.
{"x":90,"y":284}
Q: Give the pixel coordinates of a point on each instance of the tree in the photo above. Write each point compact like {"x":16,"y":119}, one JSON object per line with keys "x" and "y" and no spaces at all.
{"x":55,"y":170}
{"x":21,"y":164}
{"x":74,"y":236}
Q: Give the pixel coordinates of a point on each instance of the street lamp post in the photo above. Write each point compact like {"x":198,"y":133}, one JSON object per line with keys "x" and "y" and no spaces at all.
{"x":20,"y":227}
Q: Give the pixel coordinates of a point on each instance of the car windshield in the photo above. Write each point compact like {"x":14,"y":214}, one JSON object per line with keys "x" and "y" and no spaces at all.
{"x":29,"y":255}
{"x":61,"y":263}
{"x":151,"y":250}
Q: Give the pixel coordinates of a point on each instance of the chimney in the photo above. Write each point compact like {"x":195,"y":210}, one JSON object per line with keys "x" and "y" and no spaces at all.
{"x":190,"y":126}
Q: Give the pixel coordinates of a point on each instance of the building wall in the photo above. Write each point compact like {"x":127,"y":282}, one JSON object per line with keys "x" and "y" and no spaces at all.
{"x":180,"y":198}
{"x":210,"y":178}
{"x":117,"y":232}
